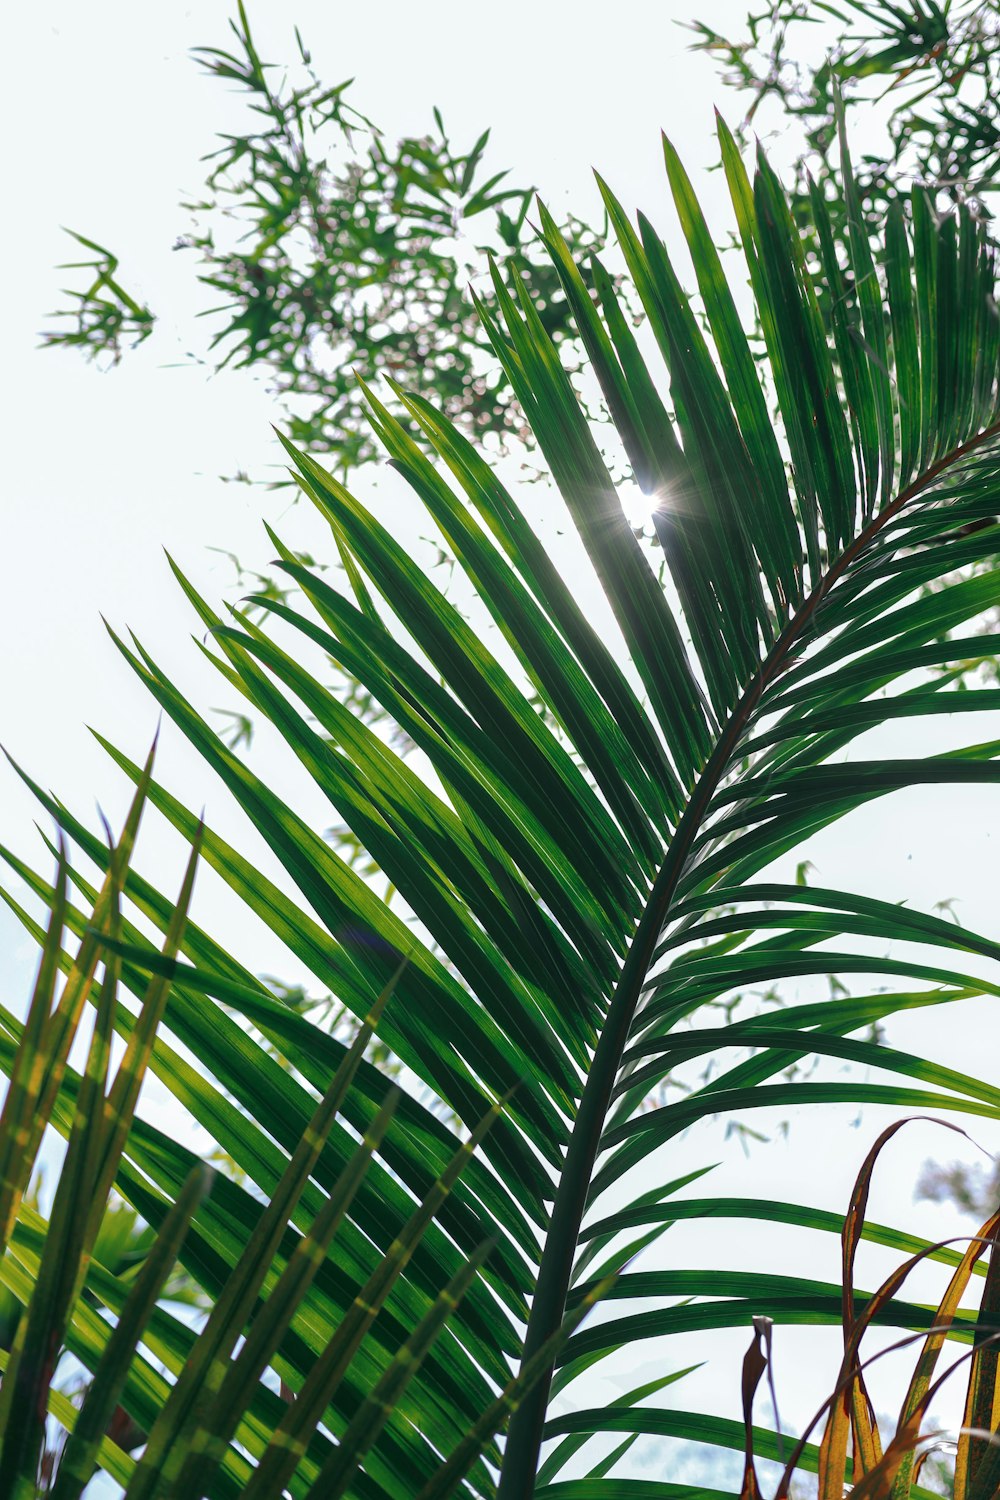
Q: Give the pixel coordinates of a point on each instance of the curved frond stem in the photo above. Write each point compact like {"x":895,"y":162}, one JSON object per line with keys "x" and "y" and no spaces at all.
{"x":571,"y":1200}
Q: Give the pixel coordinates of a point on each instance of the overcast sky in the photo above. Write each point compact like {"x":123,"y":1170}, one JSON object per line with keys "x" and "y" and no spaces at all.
{"x":106,"y":120}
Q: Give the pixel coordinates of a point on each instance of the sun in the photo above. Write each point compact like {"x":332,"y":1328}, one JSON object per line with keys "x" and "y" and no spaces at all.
{"x":638,"y":506}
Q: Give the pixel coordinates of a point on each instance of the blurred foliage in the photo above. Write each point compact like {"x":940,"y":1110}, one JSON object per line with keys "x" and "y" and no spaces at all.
{"x":333,"y":249}
{"x":105,"y":317}
{"x":122,"y":1245}
{"x":99,"y":1361}
{"x":972,"y":1190}
{"x":932,"y":69}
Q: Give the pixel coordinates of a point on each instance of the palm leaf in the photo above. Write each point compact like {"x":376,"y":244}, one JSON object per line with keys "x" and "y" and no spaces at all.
{"x":578,"y":887}
{"x":189,"y":1422}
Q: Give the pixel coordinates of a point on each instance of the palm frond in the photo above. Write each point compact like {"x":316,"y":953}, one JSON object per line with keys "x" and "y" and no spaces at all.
{"x":577,"y":887}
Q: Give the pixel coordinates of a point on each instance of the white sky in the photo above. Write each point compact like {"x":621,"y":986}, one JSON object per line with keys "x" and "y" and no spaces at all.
{"x":106,"y":118}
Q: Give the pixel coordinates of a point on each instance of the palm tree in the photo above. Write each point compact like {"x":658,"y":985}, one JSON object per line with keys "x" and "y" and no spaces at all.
{"x":583,"y":870}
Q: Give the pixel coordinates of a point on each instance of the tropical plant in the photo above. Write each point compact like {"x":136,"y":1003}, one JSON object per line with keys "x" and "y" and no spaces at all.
{"x":576,"y":886}
{"x":123,"y":1247}
{"x":920,"y":82}
{"x":186,"y":1416}
{"x":880,"y":1470}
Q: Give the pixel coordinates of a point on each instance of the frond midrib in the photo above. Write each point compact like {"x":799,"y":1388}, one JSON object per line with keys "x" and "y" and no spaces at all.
{"x":555,"y":1268}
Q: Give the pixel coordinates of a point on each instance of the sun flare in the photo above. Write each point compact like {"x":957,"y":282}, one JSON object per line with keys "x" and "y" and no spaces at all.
{"x":638,"y":506}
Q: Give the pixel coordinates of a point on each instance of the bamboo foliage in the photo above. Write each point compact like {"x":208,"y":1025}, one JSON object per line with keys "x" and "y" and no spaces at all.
{"x":576,"y":887}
